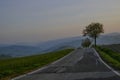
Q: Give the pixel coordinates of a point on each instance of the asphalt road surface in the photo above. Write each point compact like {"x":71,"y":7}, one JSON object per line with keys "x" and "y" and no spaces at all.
{"x":81,"y":64}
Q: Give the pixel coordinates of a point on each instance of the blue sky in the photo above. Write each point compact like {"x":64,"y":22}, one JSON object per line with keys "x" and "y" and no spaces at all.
{"x":33,"y":21}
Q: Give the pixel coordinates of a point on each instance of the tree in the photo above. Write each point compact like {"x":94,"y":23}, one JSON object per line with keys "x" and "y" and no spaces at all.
{"x":93,"y":30}
{"x":86,"y":42}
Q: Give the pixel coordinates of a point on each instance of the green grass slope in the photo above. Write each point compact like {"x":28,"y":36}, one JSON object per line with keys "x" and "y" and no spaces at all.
{"x":16,"y":66}
{"x":110,"y":57}
{"x":114,"y":47}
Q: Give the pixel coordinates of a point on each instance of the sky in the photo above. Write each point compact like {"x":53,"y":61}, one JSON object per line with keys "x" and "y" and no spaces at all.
{"x":34,"y":21}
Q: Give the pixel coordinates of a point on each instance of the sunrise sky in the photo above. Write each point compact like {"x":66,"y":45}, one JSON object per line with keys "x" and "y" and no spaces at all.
{"x":33,"y":21}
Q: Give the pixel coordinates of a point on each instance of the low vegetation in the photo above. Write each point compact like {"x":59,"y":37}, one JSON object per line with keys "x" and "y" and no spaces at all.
{"x":114,"y":47}
{"x":16,"y":66}
{"x":86,"y":42}
{"x":109,"y":56}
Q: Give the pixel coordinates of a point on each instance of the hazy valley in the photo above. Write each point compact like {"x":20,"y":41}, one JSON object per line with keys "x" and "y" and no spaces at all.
{"x":73,"y":42}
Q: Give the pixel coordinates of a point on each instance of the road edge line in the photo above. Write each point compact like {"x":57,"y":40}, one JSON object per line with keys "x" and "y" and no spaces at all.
{"x":116,"y":72}
{"x":62,"y":58}
{"x":18,"y":77}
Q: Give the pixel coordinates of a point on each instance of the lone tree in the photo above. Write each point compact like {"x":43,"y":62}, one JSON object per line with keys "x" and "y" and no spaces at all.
{"x":93,"y":30}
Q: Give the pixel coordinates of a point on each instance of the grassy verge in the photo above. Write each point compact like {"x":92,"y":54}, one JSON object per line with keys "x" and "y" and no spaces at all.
{"x":110,"y":57}
{"x":16,"y":66}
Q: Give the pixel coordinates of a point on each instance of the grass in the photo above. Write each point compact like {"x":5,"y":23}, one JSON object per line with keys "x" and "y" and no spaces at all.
{"x":114,"y":47}
{"x":110,"y":57}
{"x":10,"y":68}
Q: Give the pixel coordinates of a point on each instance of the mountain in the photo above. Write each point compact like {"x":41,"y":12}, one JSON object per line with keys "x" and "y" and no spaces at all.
{"x":49,"y":46}
{"x":18,"y":50}
{"x":3,"y":56}
{"x":73,"y":42}
{"x":112,"y":38}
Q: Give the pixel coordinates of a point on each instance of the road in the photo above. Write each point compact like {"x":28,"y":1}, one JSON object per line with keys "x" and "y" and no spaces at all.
{"x":81,"y":64}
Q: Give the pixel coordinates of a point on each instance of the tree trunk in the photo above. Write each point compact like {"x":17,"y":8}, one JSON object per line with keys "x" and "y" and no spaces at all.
{"x":95,"y":41}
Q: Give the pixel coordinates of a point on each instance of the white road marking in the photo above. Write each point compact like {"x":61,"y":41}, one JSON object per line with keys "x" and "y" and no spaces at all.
{"x":116,"y":72}
{"x":42,"y":67}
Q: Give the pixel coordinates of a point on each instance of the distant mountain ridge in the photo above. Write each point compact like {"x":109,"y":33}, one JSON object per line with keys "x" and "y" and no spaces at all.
{"x":18,"y":50}
{"x":73,"y":42}
{"x":112,"y":38}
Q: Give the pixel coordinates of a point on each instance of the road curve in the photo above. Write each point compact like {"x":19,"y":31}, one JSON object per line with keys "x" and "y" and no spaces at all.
{"x":82,"y":64}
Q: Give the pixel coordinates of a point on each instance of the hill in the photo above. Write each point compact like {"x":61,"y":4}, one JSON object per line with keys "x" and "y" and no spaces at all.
{"x":54,"y":45}
{"x":113,"y":47}
{"x":18,"y":50}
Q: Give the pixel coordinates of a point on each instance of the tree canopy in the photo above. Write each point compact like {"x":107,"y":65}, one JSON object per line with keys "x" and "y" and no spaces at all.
{"x":93,"y":30}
